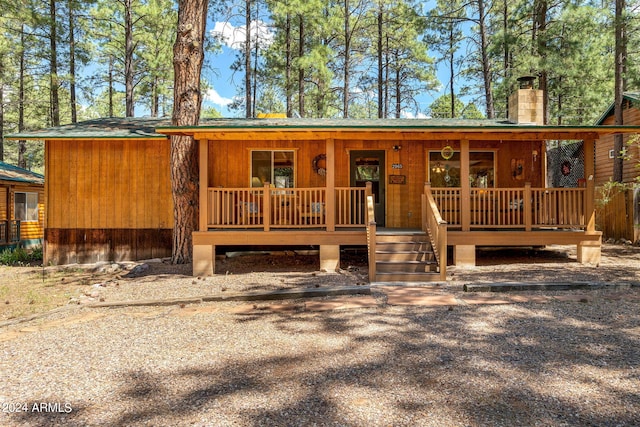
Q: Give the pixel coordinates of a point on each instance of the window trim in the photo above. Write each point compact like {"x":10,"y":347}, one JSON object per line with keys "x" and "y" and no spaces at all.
{"x":37,"y":206}
{"x":273,"y":151}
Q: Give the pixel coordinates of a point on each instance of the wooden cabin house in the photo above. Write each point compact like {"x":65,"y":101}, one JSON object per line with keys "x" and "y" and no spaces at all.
{"x":405,"y":189}
{"x":22,"y":203}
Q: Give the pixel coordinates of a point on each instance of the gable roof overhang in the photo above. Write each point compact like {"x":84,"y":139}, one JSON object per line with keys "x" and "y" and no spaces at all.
{"x":108,"y":128}
{"x":14,"y":174}
{"x":632,"y":97}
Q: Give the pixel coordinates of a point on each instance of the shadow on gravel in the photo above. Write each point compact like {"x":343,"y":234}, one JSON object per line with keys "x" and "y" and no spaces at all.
{"x":501,"y":256}
{"x":48,"y":412}
{"x":554,"y":364}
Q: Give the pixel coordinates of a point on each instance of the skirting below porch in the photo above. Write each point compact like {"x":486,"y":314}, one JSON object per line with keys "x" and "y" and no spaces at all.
{"x":205,"y":242}
{"x":464,"y":242}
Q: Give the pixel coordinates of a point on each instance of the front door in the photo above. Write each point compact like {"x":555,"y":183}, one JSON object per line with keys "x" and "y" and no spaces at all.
{"x":368,"y":166}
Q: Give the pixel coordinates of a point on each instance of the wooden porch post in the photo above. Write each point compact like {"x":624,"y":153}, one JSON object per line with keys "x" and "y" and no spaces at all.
{"x":589,"y":252}
{"x":528,"y":209}
{"x":465,"y":186}
{"x":465,"y":255}
{"x":266,"y":207}
{"x":330,"y":254}
{"x":590,"y":194}
{"x":330,"y":188}
{"x":204,"y":256}
{"x":425,"y":192}
{"x":204,"y":205}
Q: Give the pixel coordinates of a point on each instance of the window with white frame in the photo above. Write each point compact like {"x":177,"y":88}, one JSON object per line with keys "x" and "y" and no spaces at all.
{"x":26,"y":206}
{"x":275,"y":167}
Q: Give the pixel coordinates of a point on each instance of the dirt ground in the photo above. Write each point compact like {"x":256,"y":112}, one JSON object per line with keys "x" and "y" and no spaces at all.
{"x":25,"y":291}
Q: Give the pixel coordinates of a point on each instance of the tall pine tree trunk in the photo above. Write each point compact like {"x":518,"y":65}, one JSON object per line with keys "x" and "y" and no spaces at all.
{"x":188,"y":55}
{"x":301,"y":69}
{"x":380,"y":71}
{"x":111,"y":88}
{"x":53,"y":71}
{"x":452,"y":70}
{"x":287,"y":72}
{"x":72,"y":62}
{"x":620,"y":60}
{"x":541,"y":8}
{"x":128,"y":57}
{"x":22,"y":144}
{"x":247,"y":60}
{"x":398,"y":86}
{"x":486,"y":68}
{"x":347,"y":60}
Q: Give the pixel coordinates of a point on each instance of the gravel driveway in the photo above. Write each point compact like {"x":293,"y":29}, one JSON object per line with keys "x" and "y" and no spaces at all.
{"x":558,"y":363}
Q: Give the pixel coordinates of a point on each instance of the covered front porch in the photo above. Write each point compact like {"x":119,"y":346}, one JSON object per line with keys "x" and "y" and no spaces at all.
{"x":506,"y":205}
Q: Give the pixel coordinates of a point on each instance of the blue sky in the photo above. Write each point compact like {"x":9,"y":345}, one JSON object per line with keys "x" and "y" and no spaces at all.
{"x":223,"y":83}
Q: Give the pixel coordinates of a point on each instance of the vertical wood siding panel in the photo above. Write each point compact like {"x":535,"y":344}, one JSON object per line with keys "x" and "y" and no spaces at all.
{"x":72,"y":218}
{"x":94,"y":177}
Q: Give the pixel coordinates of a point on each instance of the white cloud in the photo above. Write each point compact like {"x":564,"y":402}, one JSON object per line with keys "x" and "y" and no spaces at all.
{"x":234,"y":37}
{"x":410,"y":115}
{"x":214,"y":97}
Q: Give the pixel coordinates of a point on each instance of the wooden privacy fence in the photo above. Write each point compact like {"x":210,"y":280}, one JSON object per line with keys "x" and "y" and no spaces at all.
{"x":514,"y":207}
{"x":268,"y":207}
{"x":618,"y":216}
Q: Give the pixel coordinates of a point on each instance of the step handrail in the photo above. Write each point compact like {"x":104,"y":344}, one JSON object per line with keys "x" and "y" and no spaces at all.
{"x":436,"y":228}
{"x":371,"y":233}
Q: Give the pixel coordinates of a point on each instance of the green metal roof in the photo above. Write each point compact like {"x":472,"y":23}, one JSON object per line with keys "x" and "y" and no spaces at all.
{"x":145,"y":128}
{"x":328,"y":124}
{"x":115,"y":127}
{"x":632,"y":97}
{"x":13,"y":173}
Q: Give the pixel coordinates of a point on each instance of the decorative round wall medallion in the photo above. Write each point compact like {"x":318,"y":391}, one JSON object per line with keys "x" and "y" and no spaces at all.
{"x":447,"y":152}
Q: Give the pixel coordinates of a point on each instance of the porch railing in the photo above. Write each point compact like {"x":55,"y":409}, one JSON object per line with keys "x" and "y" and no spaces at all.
{"x":9,"y":232}
{"x":268,"y":207}
{"x":436,"y":227}
{"x":515,"y":207}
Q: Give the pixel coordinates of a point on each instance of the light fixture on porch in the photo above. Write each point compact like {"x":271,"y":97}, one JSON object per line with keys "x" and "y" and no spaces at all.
{"x":397,"y":147}
{"x":437,"y":168}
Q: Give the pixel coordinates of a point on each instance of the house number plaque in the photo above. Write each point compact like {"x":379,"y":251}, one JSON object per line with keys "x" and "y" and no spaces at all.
{"x":396,"y":166}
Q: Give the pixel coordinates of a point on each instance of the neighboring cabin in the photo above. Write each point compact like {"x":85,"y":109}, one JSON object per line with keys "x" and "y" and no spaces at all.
{"x":22,"y":204}
{"x":620,"y":217}
{"x":604,"y":150}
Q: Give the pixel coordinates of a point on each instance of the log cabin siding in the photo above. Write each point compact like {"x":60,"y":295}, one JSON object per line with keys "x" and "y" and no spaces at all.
{"x":30,"y":231}
{"x":604,"y":164}
{"x":4,"y":205}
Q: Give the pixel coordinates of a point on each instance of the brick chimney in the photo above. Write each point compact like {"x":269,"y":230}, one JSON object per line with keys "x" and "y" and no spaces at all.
{"x":526,"y":103}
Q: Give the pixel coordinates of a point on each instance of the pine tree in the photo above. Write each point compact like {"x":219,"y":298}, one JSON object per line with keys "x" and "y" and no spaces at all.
{"x":188,"y":56}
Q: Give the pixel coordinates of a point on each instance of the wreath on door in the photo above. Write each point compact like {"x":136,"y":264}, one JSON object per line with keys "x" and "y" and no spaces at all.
{"x":317,"y":168}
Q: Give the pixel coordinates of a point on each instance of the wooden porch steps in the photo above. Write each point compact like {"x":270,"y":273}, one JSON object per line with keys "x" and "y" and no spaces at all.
{"x":405,"y":257}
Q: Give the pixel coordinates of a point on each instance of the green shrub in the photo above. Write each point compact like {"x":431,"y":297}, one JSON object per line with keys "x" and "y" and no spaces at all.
{"x":20,"y":256}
